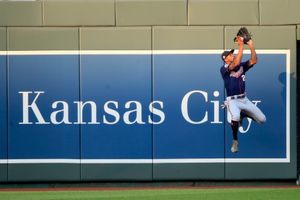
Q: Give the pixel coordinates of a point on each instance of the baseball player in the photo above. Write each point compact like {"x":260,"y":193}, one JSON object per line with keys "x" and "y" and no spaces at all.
{"x":234,"y":75}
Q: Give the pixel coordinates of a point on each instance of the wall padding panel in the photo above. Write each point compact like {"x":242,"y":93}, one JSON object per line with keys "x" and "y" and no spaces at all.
{"x":78,"y":12}
{"x":148,"y":12}
{"x":43,"y":39}
{"x":279,"y":12}
{"x":185,"y":37}
{"x":219,"y":12}
{"x":175,"y":75}
{"x":258,"y":87}
{"x":52,"y":77}
{"x":121,"y":38}
{"x":20,"y":13}
{"x":3,"y":107}
{"x":120,"y":77}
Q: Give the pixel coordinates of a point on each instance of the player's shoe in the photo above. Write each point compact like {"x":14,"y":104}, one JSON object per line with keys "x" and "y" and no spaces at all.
{"x":234,"y":146}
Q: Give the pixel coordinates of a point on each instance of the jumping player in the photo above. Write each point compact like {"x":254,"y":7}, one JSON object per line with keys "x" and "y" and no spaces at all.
{"x":233,"y":72}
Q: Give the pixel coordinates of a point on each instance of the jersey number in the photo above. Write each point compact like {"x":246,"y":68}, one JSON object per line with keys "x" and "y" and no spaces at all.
{"x":244,"y":78}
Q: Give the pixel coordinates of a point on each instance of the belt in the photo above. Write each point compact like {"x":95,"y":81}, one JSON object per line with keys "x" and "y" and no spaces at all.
{"x":239,"y":96}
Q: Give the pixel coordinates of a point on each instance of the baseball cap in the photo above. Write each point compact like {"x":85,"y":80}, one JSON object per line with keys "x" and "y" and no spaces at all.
{"x":226,"y":53}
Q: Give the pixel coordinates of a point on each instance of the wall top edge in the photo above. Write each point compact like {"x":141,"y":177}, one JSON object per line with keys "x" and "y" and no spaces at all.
{"x":135,"y":52}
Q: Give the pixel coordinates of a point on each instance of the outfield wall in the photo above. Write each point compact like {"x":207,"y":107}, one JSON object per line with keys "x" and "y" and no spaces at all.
{"x":151,"y":71}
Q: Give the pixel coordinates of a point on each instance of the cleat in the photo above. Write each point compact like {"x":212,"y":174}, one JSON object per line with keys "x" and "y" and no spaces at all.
{"x":234,"y":146}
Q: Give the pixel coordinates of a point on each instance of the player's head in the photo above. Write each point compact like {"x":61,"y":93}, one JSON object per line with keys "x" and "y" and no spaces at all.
{"x":227,"y":56}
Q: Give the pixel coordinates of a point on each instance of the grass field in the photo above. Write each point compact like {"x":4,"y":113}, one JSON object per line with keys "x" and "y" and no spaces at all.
{"x":159,"y":194}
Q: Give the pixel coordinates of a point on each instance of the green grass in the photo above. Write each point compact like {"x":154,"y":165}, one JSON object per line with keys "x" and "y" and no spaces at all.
{"x":163,"y":194}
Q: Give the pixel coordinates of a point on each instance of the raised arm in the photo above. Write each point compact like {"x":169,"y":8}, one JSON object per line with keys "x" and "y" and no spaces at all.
{"x":236,"y":62}
{"x":253,"y":59}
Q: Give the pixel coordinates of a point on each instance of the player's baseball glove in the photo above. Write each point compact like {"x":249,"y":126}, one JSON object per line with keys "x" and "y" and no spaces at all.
{"x":244,"y":33}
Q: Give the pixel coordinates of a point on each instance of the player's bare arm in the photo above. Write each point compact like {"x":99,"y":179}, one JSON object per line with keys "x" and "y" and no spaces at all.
{"x":253,"y":59}
{"x":236,"y":62}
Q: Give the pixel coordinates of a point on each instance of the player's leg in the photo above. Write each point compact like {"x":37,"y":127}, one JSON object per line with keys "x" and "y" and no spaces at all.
{"x":234,"y":111}
{"x":253,"y":112}
{"x":243,"y":115}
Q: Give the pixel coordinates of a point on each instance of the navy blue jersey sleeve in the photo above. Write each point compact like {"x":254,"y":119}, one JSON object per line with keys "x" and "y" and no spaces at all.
{"x":246,"y":66}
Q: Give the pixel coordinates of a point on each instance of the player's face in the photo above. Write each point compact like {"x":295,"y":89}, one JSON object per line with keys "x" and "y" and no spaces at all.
{"x":229,"y":58}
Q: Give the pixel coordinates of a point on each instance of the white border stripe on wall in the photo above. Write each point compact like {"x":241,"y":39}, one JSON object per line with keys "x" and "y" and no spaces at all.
{"x":134,"y":52}
{"x":150,"y":161}
{"x":143,"y":161}
{"x":116,"y":161}
{"x":43,"y":161}
{"x":288,"y":107}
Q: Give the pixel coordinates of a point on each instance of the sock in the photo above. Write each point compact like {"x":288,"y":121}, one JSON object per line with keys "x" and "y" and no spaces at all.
{"x":235,"y":127}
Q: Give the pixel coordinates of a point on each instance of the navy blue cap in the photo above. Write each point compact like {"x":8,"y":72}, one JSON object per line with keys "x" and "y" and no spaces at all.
{"x":226,"y":53}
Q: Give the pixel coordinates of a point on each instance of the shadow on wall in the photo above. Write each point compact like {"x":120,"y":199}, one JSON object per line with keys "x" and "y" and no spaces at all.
{"x":282,"y":80}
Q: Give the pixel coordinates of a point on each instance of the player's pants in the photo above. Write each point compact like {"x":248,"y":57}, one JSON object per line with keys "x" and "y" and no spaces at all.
{"x":236,"y":106}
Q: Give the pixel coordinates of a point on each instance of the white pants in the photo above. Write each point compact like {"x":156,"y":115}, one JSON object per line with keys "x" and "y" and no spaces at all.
{"x":236,"y":106}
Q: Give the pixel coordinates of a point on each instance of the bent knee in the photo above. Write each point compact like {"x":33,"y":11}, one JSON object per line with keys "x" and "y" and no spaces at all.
{"x":235,"y":118}
{"x":262,"y":119}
